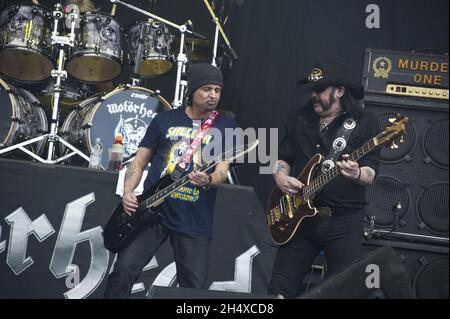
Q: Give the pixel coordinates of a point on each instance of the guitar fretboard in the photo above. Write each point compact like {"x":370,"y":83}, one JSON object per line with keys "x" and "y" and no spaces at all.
{"x":174,"y":186}
{"x":319,"y":182}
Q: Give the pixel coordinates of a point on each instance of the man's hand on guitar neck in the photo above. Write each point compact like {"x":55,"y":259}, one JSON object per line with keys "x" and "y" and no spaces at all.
{"x":350,"y":169}
{"x":360,"y":175}
{"x":288,"y":184}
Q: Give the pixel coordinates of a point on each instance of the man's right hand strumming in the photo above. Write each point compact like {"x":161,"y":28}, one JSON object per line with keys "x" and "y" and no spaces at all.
{"x":288,"y":184}
{"x":130,"y":203}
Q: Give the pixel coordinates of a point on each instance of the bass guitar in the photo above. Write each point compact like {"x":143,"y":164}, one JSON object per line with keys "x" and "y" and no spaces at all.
{"x":285,"y":213}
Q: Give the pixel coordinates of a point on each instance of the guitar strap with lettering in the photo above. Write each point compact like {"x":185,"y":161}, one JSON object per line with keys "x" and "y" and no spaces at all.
{"x":187,"y":156}
{"x":339,"y":144}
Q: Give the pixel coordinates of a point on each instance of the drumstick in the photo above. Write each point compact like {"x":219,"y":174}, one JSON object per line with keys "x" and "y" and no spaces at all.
{"x":35,"y":1}
{"x":113,"y":9}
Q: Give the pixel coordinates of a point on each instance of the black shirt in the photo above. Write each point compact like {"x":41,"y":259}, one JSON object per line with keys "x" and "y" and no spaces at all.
{"x":190,"y":209}
{"x":303,"y":139}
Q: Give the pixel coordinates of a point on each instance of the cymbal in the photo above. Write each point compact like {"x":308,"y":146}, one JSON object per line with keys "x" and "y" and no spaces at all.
{"x":197,"y":50}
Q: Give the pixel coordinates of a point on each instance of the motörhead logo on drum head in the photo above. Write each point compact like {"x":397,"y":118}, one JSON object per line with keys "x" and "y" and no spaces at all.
{"x":125,"y":111}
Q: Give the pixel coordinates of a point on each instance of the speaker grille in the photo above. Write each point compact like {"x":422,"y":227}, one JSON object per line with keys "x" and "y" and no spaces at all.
{"x":435,"y":142}
{"x":432,"y":208}
{"x":431,"y":280}
{"x":383,"y":196}
{"x":407,"y":147}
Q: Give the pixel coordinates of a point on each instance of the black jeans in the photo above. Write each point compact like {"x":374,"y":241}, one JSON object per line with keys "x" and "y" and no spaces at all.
{"x":338,"y":236}
{"x":191,"y":258}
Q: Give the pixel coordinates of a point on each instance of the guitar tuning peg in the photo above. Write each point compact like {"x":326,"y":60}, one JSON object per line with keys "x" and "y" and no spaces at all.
{"x":402,"y":139}
{"x":393,"y":146}
{"x":392,"y":120}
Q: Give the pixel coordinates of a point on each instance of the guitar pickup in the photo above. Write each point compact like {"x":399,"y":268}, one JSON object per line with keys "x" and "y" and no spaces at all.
{"x":290,"y":206}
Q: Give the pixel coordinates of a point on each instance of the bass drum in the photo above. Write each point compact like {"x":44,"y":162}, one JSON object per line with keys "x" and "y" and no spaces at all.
{"x":21,"y":118}
{"x":126,"y":111}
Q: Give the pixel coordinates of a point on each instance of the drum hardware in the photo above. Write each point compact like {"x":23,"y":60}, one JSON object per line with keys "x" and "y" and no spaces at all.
{"x":220,"y":30}
{"x":181,"y":85}
{"x":60,"y":76}
{"x":196,"y":50}
{"x":22,"y":117}
{"x":135,"y":81}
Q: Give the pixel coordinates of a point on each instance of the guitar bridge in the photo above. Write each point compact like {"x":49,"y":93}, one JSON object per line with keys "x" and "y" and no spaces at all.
{"x":274,"y":216}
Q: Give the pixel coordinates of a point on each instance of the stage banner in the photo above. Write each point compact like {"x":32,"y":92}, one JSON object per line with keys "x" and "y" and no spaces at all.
{"x":51,"y":243}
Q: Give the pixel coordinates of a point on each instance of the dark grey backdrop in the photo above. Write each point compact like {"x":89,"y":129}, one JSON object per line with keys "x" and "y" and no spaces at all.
{"x":277,"y":40}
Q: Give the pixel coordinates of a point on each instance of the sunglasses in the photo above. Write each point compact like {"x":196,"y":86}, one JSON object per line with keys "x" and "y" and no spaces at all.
{"x":319,"y":89}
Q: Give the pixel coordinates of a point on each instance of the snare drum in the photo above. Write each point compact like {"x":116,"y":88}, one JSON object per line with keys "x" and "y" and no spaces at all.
{"x":25,"y":42}
{"x":154,"y":56}
{"x":97,"y":55}
{"x":126,"y":111}
{"x":21,"y":118}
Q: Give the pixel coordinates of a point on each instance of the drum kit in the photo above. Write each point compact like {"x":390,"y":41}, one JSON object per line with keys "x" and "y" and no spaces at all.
{"x":50,"y":62}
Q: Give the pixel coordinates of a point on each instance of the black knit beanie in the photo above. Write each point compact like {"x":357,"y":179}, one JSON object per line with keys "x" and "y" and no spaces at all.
{"x":201,"y":74}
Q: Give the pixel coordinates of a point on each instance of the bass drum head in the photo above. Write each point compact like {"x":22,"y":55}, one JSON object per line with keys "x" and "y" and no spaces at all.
{"x":21,"y":118}
{"x":126,"y":111}
{"x":7,"y":126}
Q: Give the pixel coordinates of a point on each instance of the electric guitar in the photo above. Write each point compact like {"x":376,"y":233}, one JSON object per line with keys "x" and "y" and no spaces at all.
{"x":286,"y":213}
{"x":122,"y":228}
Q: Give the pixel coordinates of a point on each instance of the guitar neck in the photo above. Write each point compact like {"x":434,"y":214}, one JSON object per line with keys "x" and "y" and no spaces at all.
{"x":224,"y":157}
{"x":318,"y":183}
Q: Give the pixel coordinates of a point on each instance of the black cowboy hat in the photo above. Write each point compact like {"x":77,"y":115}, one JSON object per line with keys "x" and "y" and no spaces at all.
{"x":330,"y":73}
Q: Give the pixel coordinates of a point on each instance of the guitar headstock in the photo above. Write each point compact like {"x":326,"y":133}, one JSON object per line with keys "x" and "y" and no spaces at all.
{"x":238,"y":152}
{"x":231,"y":155}
{"x":390,"y":133}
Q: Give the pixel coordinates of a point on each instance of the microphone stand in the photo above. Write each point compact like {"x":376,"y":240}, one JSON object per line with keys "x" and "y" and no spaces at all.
{"x":220,"y":30}
{"x":180,"y":86}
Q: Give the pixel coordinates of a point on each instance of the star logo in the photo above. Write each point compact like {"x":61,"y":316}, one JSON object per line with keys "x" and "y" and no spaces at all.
{"x":382,"y":66}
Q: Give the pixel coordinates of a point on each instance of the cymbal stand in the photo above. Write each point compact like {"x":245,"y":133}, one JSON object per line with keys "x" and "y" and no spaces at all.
{"x":220,"y":30}
{"x":60,"y":75}
{"x":181,"y":84}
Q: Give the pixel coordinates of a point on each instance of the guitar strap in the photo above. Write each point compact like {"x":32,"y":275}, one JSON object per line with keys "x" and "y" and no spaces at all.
{"x":187,"y":156}
{"x":339,"y":144}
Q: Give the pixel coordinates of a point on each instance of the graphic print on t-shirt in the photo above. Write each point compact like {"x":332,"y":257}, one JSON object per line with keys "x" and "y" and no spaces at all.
{"x":184,"y":136}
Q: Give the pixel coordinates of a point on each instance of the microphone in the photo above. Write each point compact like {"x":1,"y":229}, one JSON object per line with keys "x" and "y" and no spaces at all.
{"x":72,"y":9}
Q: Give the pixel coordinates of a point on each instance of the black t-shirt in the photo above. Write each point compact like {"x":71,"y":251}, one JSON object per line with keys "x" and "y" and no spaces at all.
{"x":303,"y":139}
{"x":189,"y":209}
